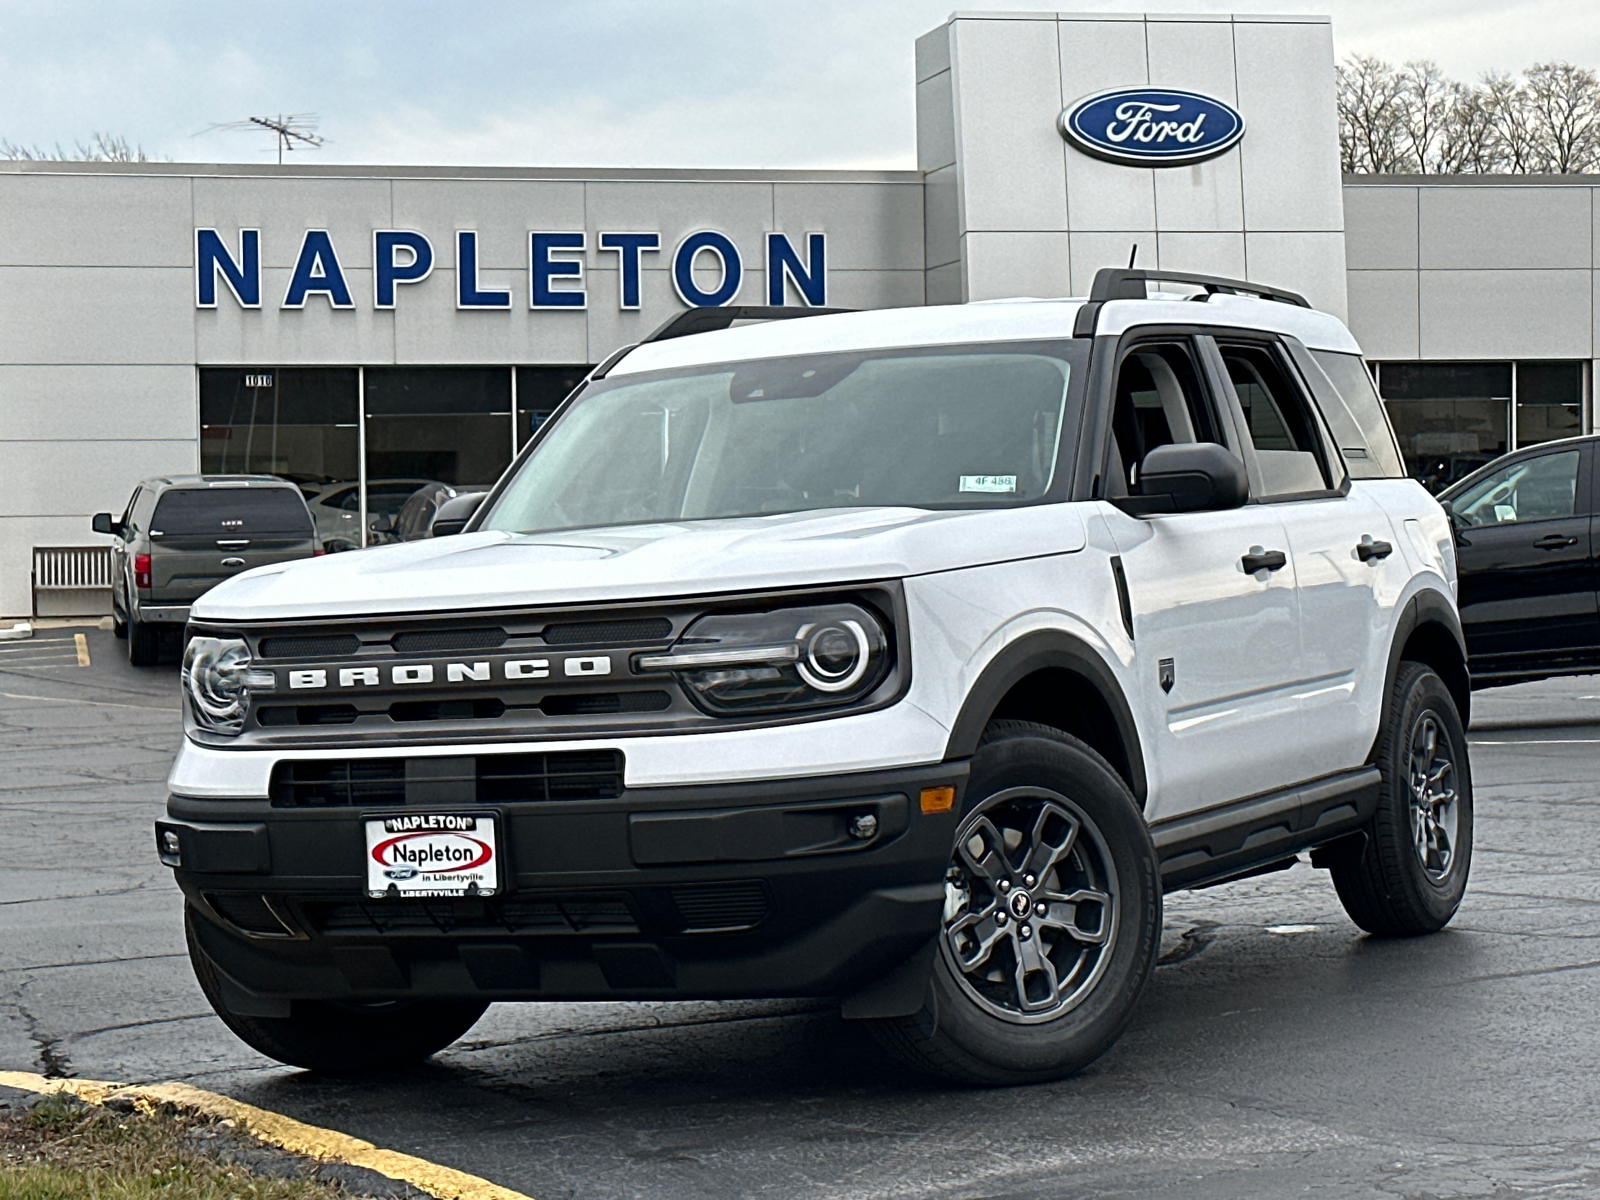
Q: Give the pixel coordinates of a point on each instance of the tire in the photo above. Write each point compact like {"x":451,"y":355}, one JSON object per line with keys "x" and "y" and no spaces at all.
{"x":336,"y":1038}
{"x":983,"y":1020}
{"x":144,"y":642}
{"x":119,"y":623}
{"x":1410,"y":874}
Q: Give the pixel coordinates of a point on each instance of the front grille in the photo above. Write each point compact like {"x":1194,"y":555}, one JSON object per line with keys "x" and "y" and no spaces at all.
{"x":483,"y":708}
{"x":446,"y":710}
{"x":331,"y":646}
{"x":553,"y":915}
{"x":339,"y":783}
{"x":498,"y":779}
{"x":446,"y":640}
{"x":277,"y":716}
{"x":594,"y":633}
{"x":577,"y":704}
{"x":721,"y":907}
{"x":567,"y":775}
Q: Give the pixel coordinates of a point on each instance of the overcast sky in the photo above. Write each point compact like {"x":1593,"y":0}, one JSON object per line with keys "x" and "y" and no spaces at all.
{"x":686,"y":83}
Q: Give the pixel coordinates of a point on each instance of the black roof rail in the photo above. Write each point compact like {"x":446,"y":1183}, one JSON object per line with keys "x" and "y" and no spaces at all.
{"x":1120,"y":283}
{"x":705,"y":320}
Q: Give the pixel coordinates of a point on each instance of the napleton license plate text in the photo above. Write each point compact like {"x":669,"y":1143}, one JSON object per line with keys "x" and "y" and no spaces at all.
{"x":432,"y":854}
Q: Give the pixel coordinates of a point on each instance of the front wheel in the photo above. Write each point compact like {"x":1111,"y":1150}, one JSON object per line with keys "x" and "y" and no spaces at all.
{"x":1052,"y":917}
{"x":1410,"y":873}
{"x":337,"y":1038}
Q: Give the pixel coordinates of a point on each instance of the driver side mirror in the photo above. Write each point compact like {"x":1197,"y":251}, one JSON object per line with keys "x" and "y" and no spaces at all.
{"x":1187,"y":477}
{"x":104,"y":523}
{"x":454,"y":514}
{"x":383,"y":524}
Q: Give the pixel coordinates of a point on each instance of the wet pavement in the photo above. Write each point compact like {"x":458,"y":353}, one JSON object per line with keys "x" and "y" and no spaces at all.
{"x":1279,"y":1051}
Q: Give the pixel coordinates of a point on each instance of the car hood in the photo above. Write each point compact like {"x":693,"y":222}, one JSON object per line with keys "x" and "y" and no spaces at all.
{"x":636,"y":562}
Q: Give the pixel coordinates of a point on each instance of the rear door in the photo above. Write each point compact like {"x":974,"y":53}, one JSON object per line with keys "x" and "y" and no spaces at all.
{"x":200,"y":536}
{"x":1525,"y":558}
{"x":1342,"y":542}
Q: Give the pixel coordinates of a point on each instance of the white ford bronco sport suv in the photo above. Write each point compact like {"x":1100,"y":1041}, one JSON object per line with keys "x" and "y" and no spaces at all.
{"x":906,"y":657}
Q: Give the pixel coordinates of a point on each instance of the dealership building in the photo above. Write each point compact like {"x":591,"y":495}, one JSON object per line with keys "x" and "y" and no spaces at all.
{"x":379,"y":326}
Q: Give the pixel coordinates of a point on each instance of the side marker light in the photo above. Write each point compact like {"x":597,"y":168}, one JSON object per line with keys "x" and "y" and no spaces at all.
{"x":937,"y":800}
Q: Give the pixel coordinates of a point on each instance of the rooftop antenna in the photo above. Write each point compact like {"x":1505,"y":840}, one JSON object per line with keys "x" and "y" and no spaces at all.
{"x":292,"y":132}
{"x":1134,"y":254}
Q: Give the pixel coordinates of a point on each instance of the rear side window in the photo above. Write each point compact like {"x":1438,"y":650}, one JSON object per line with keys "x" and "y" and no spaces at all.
{"x":1362,"y":425}
{"x":1278,"y":422}
{"x":232,"y":512}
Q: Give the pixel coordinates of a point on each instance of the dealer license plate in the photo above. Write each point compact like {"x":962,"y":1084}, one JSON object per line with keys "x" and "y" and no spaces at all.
{"x":432,"y":854}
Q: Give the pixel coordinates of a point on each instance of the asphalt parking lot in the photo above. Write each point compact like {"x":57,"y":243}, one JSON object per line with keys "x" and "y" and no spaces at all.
{"x":1279,"y":1051}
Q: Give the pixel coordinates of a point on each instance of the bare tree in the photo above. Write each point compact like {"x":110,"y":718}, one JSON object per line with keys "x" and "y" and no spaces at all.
{"x":1371,"y":100}
{"x":1470,"y":143}
{"x":1415,"y":120}
{"x":101,"y":147}
{"x":1564,"y":102}
{"x":1424,"y":116}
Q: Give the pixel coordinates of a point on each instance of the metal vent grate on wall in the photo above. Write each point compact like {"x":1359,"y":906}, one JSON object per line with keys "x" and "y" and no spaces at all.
{"x":71,"y":581}
{"x":71,"y":568}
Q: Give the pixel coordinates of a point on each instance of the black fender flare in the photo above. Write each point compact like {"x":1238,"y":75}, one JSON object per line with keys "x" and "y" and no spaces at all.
{"x":1427,"y":607}
{"x":1043,"y":650}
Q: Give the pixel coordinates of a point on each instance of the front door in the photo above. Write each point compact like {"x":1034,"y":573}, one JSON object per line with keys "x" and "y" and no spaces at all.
{"x":1525,"y":560}
{"x":1215,"y":613}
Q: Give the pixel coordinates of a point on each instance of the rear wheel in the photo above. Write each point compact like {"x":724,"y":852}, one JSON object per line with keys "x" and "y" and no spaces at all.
{"x":1410,"y":873}
{"x":341,"y":1038}
{"x":119,"y":623}
{"x":1052,"y":917}
{"x":144,"y":642}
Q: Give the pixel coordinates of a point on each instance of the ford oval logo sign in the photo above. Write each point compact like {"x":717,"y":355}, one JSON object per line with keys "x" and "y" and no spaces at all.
{"x":1152,"y":127}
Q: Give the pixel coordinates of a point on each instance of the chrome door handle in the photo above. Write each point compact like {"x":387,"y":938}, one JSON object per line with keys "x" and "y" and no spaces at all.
{"x":1263,"y":560}
{"x":233,"y":562}
{"x":1367,"y":549}
{"x":1554,"y":541}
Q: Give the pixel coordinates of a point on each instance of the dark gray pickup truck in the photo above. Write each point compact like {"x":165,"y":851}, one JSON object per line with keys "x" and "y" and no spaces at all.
{"x":183,"y":534}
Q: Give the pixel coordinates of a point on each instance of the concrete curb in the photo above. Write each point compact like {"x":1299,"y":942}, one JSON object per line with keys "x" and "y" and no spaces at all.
{"x":275,"y":1129}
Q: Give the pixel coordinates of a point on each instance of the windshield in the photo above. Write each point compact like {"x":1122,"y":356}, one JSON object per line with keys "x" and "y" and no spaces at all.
{"x":963,"y":427}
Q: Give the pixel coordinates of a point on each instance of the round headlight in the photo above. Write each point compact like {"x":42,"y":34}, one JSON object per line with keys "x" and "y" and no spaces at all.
{"x":835,"y":657}
{"x":217,"y":680}
{"x":784,"y":660}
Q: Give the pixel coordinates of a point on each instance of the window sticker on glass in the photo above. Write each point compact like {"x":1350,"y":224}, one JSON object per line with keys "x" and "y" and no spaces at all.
{"x":989,"y":483}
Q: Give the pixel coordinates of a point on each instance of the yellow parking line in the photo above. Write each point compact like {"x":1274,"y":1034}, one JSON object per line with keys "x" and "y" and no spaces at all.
{"x":278,"y":1130}
{"x":83,"y":649}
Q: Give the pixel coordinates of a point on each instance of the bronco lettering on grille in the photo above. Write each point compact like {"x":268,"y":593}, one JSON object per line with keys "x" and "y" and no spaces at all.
{"x":422,"y":675}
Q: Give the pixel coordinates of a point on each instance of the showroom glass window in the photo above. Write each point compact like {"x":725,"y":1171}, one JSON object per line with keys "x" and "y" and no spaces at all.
{"x":1549,"y":401}
{"x":299,"y":423}
{"x":449,"y":424}
{"x":1451,"y":418}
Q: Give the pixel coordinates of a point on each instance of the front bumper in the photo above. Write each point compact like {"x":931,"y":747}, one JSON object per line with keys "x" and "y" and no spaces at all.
{"x":727,"y":891}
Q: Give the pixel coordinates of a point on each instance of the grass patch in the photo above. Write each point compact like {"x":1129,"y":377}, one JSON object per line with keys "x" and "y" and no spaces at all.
{"x":63,"y":1149}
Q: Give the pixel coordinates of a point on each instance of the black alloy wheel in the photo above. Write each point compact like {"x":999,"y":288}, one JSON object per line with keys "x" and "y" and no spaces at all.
{"x":1407,"y":875}
{"x":1052,"y":917}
